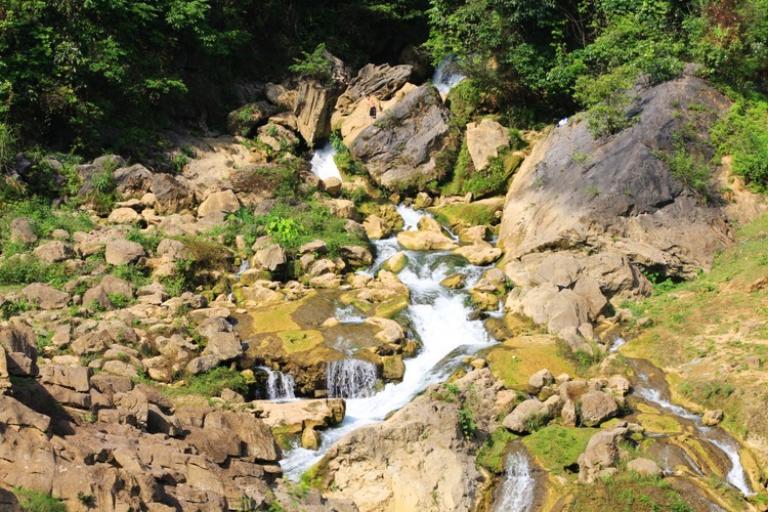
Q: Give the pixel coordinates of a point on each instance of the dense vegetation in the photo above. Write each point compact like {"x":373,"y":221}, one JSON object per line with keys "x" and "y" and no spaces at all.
{"x":109,"y":72}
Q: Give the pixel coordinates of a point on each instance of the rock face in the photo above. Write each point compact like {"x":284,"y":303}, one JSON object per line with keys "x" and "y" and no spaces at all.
{"x":484,"y":139}
{"x":313,"y":110}
{"x":417,"y":460}
{"x":400,"y":149}
{"x":623,"y":194}
{"x":584,"y":216}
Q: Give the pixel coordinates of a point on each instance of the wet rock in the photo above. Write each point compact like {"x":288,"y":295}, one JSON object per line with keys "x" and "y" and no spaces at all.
{"x":454,"y":281}
{"x":425,"y":241}
{"x":712,"y":417}
{"x":396,"y":263}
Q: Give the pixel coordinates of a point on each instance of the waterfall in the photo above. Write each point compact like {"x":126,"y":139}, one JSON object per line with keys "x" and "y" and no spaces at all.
{"x":350,"y":378}
{"x":323,"y":165}
{"x":446,"y":76}
{"x":516,"y":493}
{"x":280,"y":386}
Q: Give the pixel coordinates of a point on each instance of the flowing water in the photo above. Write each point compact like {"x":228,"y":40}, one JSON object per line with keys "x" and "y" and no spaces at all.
{"x":440,"y":320}
{"x":717,"y":437}
{"x":350,"y":378}
{"x":447,"y":76}
{"x":517,"y":491}
{"x":323,"y":165}
{"x":280,"y":386}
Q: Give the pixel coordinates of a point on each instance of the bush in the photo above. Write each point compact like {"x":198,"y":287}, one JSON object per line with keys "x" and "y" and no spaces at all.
{"x":24,"y":269}
{"x":35,"y":501}
{"x":315,"y":64}
{"x":743,"y":133}
{"x":43,"y":218}
{"x":7,"y":144}
{"x":211,"y":383}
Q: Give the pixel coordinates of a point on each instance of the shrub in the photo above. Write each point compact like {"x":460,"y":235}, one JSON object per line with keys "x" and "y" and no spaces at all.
{"x":211,"y":383}
{"x":44,"y":220}
{"x":7,"y":144}
{"x":467,"y":422}
{"x":10,"y":308}
{"x":24,"y":269}
{"x":607,"y":99}
{"x":35,"y":501}
{"x":743,"y":133}
{"x":315,"y":64}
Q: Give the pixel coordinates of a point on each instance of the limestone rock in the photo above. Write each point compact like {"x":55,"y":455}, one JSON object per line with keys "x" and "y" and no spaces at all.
{"x":484,"y":139}
{"x":52,"y":252}
{"x":218,"y":204}
{"x":425,"y":241}
{"x":123,"y":252}
{"x":644,"y":467}
{"x":22,"y":231}
{"x":479,"y":254}
{"x":596,"y":407}
{"x":540,"y":379}
{"x":172,"y":194}
{"x":712,"y":417}
{"x":314,"y":105}
{"x":45,"y":296}
{"x":400,"y":149}
{"x":132,"y":182}
{"x":526,"y":415}
{"x":123,"y":216}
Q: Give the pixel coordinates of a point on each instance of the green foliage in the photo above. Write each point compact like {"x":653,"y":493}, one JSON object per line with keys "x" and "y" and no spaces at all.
{"x":35,"y":501}
{"x":315,"y":64}
{"x":9,"y":308}
{"x":743,"y":133}
{"x":132,"y":274}
{"x":343,"y":158}
{"x":491,"y":454}
{"x":557,"y":448}
{"x":25,"y":269}
{"x":7,"y":144}
{"x":149,"y":240}
{"x":119,"y":301}
{"x":464,"y":100}
{"x":44,"y":220}
{"x":211,"y":383}
{"x":467,"y":422}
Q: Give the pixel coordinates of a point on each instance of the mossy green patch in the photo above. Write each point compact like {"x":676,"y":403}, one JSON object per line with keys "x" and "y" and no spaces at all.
{"x":467,"y":214}
{"x":491,"y":454}
{"x":628,"y":491}
{"x":300,"y":341}
{"x":391,"y":307}
{"x":659,"y":423}
{"x":515,"y":360}
{"x":556,"y":447}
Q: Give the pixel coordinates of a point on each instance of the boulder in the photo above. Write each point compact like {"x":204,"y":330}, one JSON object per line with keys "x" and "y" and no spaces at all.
{"x":624,"y":196}
{"x":528,"y":415}
{"x":396,"y":262}
{"x":484,"y":139}
{"x":172,"y":194}
{"x":400,"y":150}
{"x":596,"y":407}
{"x":479,"y":254}
{"x":22,"y":231}
{"x":314,"y":105}
{"x":132,"y":182}
{"x":19,"y":341}
{"x":601,"y":454}
{"x":45,"y":296}
{"x":123,"y":216}
{"x":225,"y":346}
{"x":277,"y":137}
{"x":712,"y":417}
{"x":53,"y":252}
{"x":123,"y":252}
{"x":540,"y":379}
{"x":218,"y":204}
{"x":332,"y":185}
{"x":425,"y":241}
{"x":269,"y":258}
{"x":644,"y":467}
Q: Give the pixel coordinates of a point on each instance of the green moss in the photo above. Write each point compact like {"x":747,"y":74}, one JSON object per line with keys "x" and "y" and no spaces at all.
{"x":491,"y":454}
{"x":629,"y":491}
{"x":468,"y":214}
{"x":210,"y":384}
{"x":300,"y":341}
{"x":556,"y":447}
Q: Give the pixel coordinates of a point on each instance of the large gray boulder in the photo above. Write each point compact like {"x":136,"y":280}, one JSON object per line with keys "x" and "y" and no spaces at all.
{"x":618,"y":191}
{"x":401,"y":149}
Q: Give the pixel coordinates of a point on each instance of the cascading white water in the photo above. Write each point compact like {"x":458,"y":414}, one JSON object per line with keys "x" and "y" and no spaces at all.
{"x":447,"y":76}
{"x":350,"y":378}
{"x":736,"y":474}
{"x":440,"y":319}
{"x":323,"y":165}
{"x":517,"y":491}
{"x":280,"y":386}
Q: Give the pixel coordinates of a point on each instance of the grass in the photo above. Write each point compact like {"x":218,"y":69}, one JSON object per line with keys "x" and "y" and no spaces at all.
{"x":300,"y":341}
{"x":710,"y":333}
{"x":35,"y":501}
{"x":208,"y":384}
{"x":515,"y":360}
{"x":556,"y":447}
{"x":629,"y":492}
{"x":43,"y":218}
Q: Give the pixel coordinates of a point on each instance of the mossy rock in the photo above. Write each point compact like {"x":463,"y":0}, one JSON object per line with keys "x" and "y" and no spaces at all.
{"x":491,"y":454}
{"x":391,"y":307}
{"x":300,"y":341}
{"x":468,"y":214}
{"x":515,"y":360}
{"x":556,"y":447}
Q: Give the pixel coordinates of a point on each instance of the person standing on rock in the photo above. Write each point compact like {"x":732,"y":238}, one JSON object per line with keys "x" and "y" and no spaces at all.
{"x":373,"y":110}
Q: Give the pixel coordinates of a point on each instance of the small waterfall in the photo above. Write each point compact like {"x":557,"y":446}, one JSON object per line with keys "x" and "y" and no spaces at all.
{"x":517,"y":490}
{"x":350,"y":378}
{"x":323,"y":165}
{"x":280,"y":386}
{"x":447,"y":76}
{"x":244,"y":265}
